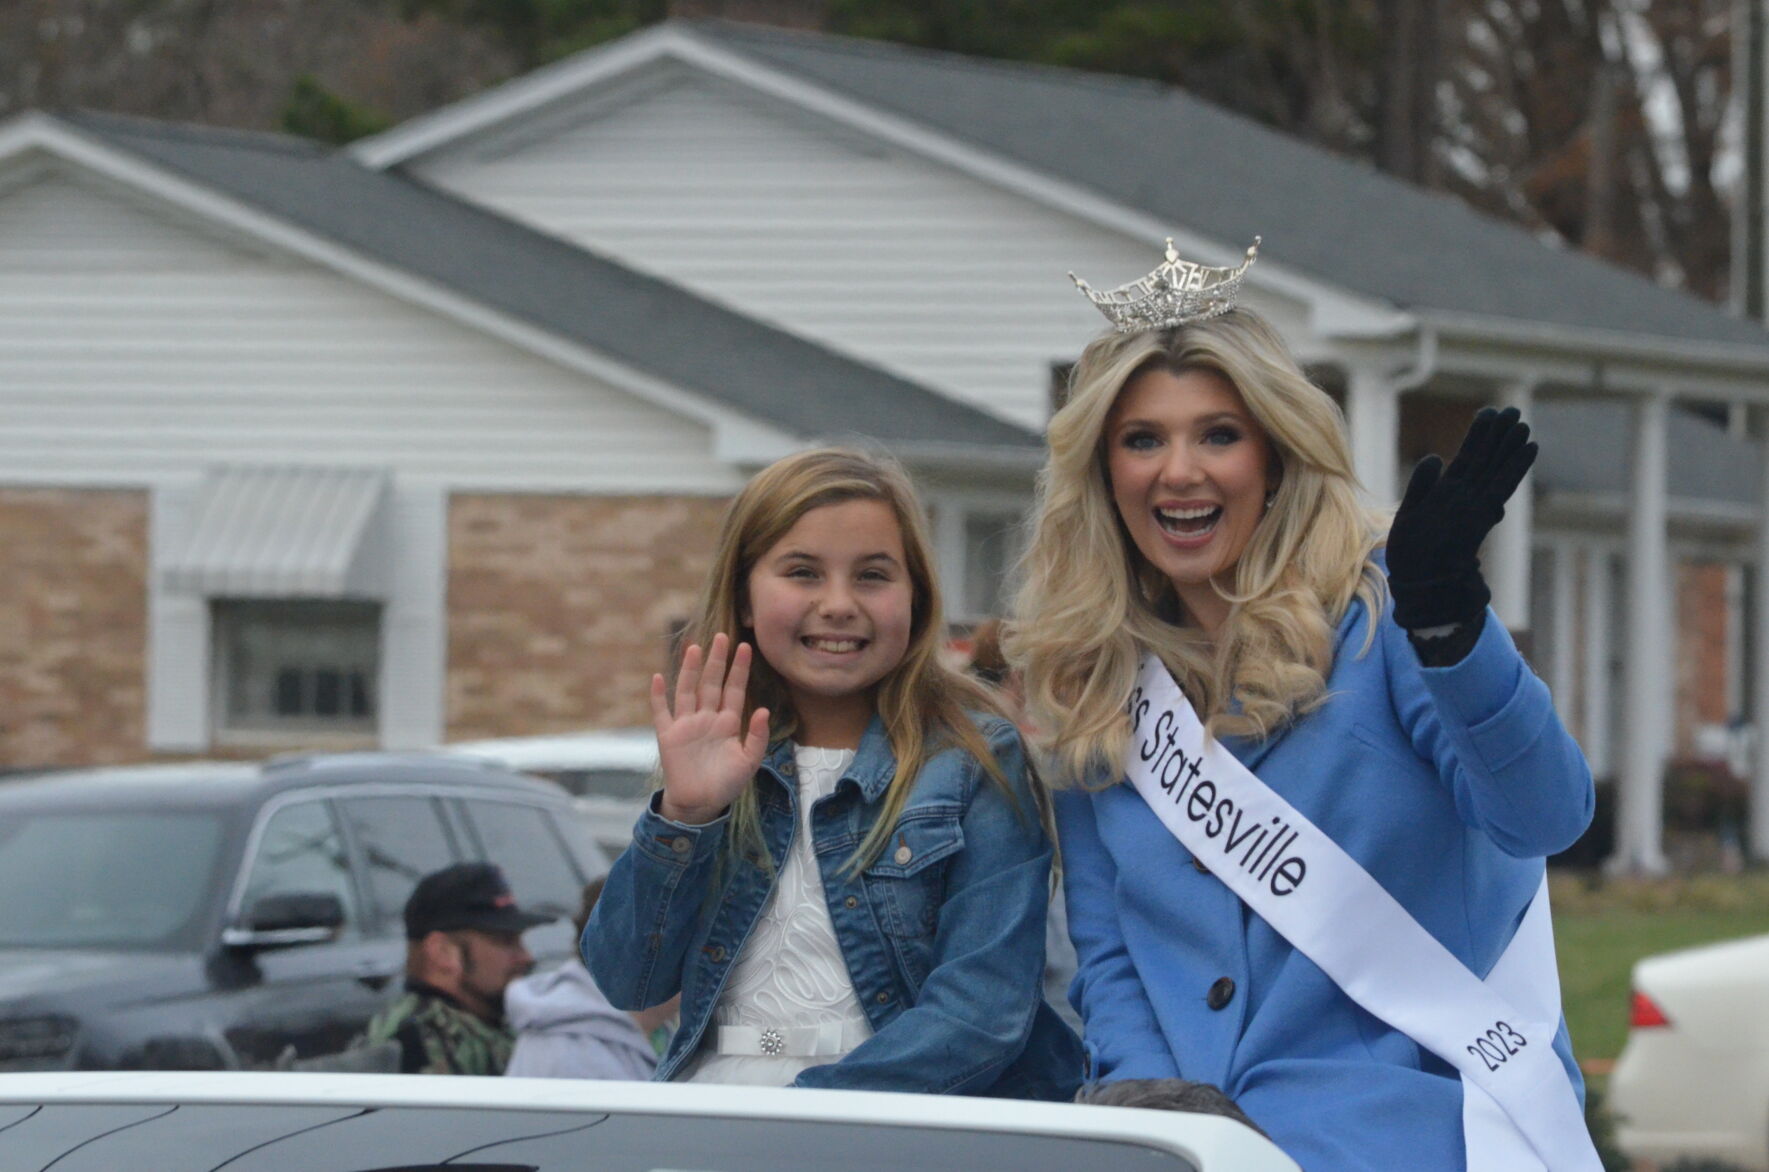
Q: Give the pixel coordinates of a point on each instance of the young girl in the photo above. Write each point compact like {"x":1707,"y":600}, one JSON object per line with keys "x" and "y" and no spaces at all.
{"x":844,"y":873}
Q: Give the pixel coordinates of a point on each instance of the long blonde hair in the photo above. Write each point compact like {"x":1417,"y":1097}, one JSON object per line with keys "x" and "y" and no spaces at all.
{"x":1091,"y":604}
{"x":922,"y":701}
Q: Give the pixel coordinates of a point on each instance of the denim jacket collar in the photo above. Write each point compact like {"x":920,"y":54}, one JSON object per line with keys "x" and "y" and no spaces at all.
{"x":873,"y":766}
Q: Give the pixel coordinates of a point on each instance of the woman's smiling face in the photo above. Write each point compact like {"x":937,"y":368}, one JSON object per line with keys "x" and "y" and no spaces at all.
{"x":1189,"y":469}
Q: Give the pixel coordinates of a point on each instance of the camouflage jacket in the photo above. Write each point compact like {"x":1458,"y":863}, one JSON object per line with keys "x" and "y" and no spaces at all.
{"x":437,"y":1036}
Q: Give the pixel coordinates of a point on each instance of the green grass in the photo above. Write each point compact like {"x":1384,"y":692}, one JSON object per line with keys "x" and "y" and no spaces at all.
{"x":1601,"y":929}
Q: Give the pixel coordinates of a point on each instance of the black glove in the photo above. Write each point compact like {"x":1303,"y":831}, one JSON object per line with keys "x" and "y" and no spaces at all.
{"x":1434,"y":543}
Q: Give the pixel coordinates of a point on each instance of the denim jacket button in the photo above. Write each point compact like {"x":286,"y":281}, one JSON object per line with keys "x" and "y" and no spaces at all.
{"x":788,"y":769}
{"x":716,"y":953}
{"x":883,"y":998}
{"x":681,"y":845}
{"x":850,"y":902}
{"x":903,"y":855}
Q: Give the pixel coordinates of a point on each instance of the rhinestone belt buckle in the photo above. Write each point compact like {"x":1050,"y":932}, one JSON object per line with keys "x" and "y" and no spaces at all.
{"x":773,"y":1042}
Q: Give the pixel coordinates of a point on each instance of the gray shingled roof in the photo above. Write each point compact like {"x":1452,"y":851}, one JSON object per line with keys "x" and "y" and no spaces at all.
{"x":1585,"y":445}
{"x":652,"y":325}
{"x":1162,"y":151}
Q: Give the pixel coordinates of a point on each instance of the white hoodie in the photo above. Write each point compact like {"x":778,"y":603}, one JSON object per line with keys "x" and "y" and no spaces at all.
{"x":565,"y":1028}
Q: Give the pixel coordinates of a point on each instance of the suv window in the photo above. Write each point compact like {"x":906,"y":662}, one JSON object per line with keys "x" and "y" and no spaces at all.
{"x":400,"y":840}
{"x":301,"y":851}
{"x":521,"y":839}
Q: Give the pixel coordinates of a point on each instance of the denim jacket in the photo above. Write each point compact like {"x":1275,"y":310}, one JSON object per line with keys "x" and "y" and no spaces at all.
{"x":943,"y":935}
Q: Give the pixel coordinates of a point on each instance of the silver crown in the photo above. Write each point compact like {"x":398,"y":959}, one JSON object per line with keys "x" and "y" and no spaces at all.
{"x":1176,"y":293}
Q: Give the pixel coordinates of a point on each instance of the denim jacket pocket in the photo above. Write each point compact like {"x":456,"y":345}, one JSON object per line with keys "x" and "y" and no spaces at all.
{"x":908,"y":880}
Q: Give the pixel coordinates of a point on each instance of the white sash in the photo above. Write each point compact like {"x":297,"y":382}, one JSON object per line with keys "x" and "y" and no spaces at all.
{"x":1519,"y":1110}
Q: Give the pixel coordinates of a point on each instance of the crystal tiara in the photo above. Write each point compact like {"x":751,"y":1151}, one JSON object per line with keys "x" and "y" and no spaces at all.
{"x":1176,"y":293}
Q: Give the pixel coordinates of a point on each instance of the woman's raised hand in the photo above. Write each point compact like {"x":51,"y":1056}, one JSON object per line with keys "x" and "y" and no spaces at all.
{"x":1434,"y":543}
{"x":706,"y":755}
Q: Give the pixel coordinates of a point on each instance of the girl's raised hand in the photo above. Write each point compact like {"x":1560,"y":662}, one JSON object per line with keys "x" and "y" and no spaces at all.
{"x":707,"y":754}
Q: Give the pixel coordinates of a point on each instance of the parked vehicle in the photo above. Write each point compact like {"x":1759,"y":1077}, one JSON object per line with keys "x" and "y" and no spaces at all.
{"x":208,"y":916}
{"x":1693,"y":1080}
{"x":609,"y":770}
{"x":256,"y":1122}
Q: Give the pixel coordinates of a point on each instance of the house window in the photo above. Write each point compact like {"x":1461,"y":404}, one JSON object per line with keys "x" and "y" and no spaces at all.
{"x":991,"y":543}
{"x":295,"y":667}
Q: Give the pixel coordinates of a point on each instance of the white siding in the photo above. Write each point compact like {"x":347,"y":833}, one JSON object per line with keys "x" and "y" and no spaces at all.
{"x":134,"y":345}
{"x":871,"y":250}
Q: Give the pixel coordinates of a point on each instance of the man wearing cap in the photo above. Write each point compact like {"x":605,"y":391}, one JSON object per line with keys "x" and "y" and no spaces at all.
{"x":463,"y":935}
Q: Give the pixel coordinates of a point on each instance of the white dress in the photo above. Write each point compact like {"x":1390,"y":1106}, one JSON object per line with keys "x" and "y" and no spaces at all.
{"x":791,"y":972}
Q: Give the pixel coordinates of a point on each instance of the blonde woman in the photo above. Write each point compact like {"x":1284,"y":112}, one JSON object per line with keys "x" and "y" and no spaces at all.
{"x":1200,"y":524}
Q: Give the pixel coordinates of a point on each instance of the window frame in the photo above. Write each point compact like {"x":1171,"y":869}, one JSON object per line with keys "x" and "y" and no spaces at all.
{"x":226,"y":615}
{"x":378,"y":926}
{"x":952,"y":511}
{"x":236,"y":902}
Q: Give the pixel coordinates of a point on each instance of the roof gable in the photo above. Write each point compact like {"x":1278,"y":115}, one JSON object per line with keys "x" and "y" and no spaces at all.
{"x":680,"y":346}
{"x":1166,"y":158}
{"x":1158,"y":148}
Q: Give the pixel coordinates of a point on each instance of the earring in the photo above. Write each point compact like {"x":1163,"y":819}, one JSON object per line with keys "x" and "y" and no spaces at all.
{"x":1270,"y":497}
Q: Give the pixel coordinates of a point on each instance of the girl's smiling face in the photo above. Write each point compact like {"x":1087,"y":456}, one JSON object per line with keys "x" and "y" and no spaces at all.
{"x":1189,"y":469}
{"x":831,"y":606}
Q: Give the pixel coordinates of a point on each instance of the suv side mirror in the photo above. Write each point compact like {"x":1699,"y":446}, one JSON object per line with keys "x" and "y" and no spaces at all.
{"x":294,"y":917}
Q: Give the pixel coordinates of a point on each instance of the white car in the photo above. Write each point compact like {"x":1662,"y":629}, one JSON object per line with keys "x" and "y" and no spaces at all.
{"x":165,"y":1121}
{"x":1693,"y":1080}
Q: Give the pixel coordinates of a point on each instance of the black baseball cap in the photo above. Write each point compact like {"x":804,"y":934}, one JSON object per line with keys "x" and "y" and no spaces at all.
{"x":466,"y":895}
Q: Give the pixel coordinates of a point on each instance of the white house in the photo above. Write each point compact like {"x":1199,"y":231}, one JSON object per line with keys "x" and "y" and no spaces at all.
{"x":512,"y":338}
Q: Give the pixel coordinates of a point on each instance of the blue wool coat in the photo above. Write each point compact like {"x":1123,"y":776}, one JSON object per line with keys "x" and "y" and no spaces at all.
{"x":1448,"y":785}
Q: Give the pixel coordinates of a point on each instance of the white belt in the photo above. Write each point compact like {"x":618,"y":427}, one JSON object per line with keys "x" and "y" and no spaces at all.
{"x":1519,"y":1109}
{"x":831,"y":1039}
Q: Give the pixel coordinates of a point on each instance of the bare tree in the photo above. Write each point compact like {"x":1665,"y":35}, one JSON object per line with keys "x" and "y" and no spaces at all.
{"x":1598,"y":122}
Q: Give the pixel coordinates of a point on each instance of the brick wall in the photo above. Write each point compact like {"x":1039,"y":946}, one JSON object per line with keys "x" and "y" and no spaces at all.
{"x":560,"y":607}
{"x":1702,"y":646}
{"x":73,"y":626}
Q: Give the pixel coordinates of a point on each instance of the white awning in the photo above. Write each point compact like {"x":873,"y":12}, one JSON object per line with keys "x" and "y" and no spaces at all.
{"x":285,"y":532}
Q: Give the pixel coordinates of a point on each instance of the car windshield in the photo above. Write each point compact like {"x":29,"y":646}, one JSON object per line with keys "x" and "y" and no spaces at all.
{"x":104,"y":879}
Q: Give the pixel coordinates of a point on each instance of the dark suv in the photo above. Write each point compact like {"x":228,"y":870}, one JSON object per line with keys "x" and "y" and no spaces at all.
{"x":208,"y":916}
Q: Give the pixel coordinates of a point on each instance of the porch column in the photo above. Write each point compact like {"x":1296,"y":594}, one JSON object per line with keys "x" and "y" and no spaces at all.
{"x":948,"y":538}
{"x":1562,"y":652}
{"x":1639,"y":839}
{"x":1594,"y":721}
{"x":1372,"y":411}
{"x":1759,"y":844}
{"x":1509,"y":546}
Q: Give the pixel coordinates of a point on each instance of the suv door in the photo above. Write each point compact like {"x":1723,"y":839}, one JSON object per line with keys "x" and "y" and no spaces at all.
{"x":314,"y":997}
{"x":398,"y":839}
{"x":521,"y":839}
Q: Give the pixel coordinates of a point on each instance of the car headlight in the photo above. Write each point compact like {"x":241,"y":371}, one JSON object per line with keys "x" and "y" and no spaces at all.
{"x":35,"y":1039}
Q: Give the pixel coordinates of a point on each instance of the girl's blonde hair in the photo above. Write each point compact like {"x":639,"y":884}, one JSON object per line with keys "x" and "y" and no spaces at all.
{"x":1091,"y":604}
{"x":923,"y":703}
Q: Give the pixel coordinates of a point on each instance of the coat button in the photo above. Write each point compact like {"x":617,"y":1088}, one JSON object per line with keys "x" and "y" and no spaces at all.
{"x":1222,"y":991}
{"x":883,"y":998}
{"x":716,"y":954}
{"x":903,"y":855}
{"x":1199,"y":864}
{"x":681,"y":845}
{"x":850,"y":902}
{"x":788,"y":769}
